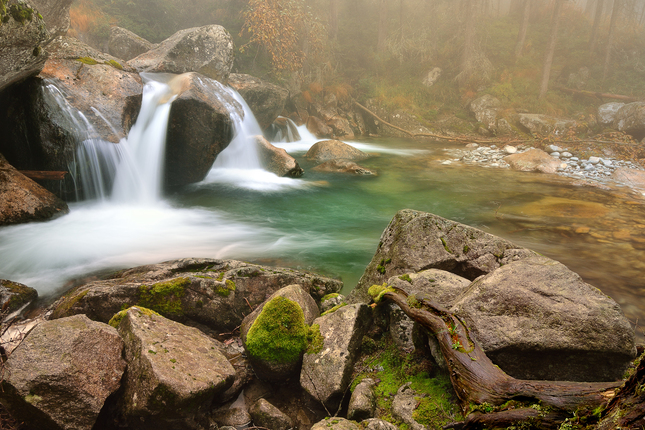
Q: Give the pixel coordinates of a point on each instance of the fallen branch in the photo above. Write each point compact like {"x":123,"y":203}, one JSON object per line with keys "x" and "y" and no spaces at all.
{"x":44,"y":174}
{"x":599,"y":95}
{"x":477,"y":381}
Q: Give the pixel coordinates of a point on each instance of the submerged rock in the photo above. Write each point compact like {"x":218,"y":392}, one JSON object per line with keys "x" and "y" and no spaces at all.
{"x":207,"y":50}
{"x":174,"y":371}
{"x":266,"y":100}
{"x":62,"y":373}
{"x":343,"y":166}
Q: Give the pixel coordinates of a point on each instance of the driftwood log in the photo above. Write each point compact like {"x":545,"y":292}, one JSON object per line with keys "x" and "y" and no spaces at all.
{"x":44,"y":174}
{"x":481,"y":386}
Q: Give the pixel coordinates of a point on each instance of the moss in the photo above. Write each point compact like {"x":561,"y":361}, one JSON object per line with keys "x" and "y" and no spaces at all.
{"x":33,"y":399}
{"x":413,"y":302}
{"x":315,"y":340}
{"x":114,"y":64}
{"x":21,"y":13}
{"x":406,"y":278}
{"x":377,"y":291}
{"x":445,"y":245}
{"x":329,"y":297}
{"x":466,"y":249}
{"x":334,"y":309}
{"x":37,"y":51}
{"x":22,"y":294}
{"x":226,"y":289}
{"x":164,"y":297}
{"x":279,"y":333}
{"x":68,"y":303}
{"x":116,"y":318}
{"x":87,"y":60}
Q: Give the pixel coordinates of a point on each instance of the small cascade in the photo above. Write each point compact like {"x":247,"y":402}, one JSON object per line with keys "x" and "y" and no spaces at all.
{"x":283,"y":129}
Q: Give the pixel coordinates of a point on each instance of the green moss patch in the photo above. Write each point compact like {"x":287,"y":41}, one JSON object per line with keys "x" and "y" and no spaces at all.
{"x":329,"y":297}
{"x":226,"y":289}
{"x":164,"y":297}
{"x":71,"y":299}
{"x":332,"y":310}
{"x":114,"y":64}
{"x":87,"y":60}
{"x":279,"y":334}
{"x":116,"y":319}
{"x":21,"y":13}
{"x":377,"y":291}
{"x":315,"y":340}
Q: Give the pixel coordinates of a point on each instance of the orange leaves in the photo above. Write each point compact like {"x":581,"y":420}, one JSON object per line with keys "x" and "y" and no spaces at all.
{"x":83,"y":15}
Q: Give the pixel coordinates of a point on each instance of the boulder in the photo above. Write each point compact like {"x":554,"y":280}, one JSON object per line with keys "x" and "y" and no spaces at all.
{"x":216,"y":293}
{"x":62,"y":373}
{"x":335,"y":423}
{"x":343,"y":166}
{"x":15,"y":296}
{"x":318,"y":128}
{"x":536,"y":319}
{"x":56,"y":15}
{"x":607,"y":113}
{"x":362,"y":404}
{"x":265,"y":100}
{"x":207,"y":50}
{"x":22,"y":200}
{"x":631,"y":119}
{"x":543,"y":125}
{"x":403,"y":406}
{"x":174,"y":371}
{"x":533,"y":160}
{"x":633,"y":178}
{"x":23,"y":34}
{"x":378,"y":424}
{"x":266,"y":415}
{"x":485,"y":109}
{"x":199,"y":128}
{"x":126,"y":45}
{"x":277,"y":160}
{"x":334,"y":150}
{"x":416,"y":241}
{"x":326,"y":374}
{"x":340,"y":127}
{"x":432,"y":76}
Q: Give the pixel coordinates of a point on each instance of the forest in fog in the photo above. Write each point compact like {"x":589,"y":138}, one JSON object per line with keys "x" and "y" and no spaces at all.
{"x":383,"y":49}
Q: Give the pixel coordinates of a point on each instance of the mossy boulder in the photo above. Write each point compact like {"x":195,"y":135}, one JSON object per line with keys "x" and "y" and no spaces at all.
{"x":14,"y":296}
{"x":335,"y":423}
{"x":174,"y":371}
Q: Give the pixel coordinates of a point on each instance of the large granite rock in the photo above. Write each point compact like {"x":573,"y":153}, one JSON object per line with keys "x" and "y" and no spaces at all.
{"x":23,"y":34}
{"x":416,"y":241}
{"x":543,"y":125}
{"x":62,"y":373}
{"x":536,"y":319}
{"x":174,"y":371}
{"x":533,"y":160}
{"x":277,"y":160}
{"x":607,"y":113}
{"x":326,"y":375}
{"x":207,"y":50}
{"x":266,"y":100}
{"x":334,"y":150}
{"x":485,"y":109}
{"x":212,"y":292}
{"x":630,"y":118}
{"x":56,"y":15}
{"x":126,"y":45}
{"x":23,"y":200}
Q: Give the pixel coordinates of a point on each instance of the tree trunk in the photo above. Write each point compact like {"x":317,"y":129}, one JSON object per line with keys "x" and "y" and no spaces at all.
{"x":593,"y":40}
{"x":476,"y":380}
{"x":550,"y":49}
{"x":333,"y":19}
{"x":469,"y":53}
{"x":521,"y":36}
{"x":610,"y":38}
{"x":382,"y":26}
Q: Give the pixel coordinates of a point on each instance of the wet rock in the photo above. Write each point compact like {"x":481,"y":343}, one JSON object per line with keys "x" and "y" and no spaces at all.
{"x":23,"y":36}
{"x":207,"y":50}
{"x":335,"y":423}
{"x":326,"y":374}
{"x":173,"y":374}
{"x":318,"y":128}
{"x":485,"y":109}
{"x":334,"y":150}
{"x":404,"y":405}
{"x":533,"y":160}
{"x":630,"y":118}
{"x":343,"y":166}
{"x":126,"y":45}
{"x":362,"y":404}
{"x":277,"y":160}
{"x":62,"y":373}
{"x":56,"y":15}
{"x":536,"y":319}
{"x":416,"y":241}
{"x":199,"y":128}
{"x":216,"y":293}
{"x":544,"y":125}
{"x":22,"y":200}
{"x":15,"y":296}
{"x":633,"y":178}
{"x":607,"y":113}
{"x":266,"y":100}
{"x":264,"y":414}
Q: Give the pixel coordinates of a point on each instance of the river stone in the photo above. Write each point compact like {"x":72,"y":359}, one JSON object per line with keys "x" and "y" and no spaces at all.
{"x":21,"y":51}
{"x":415,"y":241}
{"x":533,"y":160}
{"x":266,"y":415}
{"x":216,"y":293}
{"x":334,"y":150}
{"x":277,"y":160}
{"x":126,"y":45}
{"x":22,"y":200}
{"x":174,"y":371}
{"x":631,"y":119}
{"x":56,"y":15}
{"x":633,"y":178}
{"x":536,"y":319}
{"x":343,"y":166}
{"x":335,"y":423}
{"x":265,"y":100}
{"x":207,"y":50}
{"x":403,"y":406}
{"x":62,"y":373}
{"x":327,"y":374}
{"x":544,"y":125}
{"x":362,"y":404}
{"x":607,"y":113}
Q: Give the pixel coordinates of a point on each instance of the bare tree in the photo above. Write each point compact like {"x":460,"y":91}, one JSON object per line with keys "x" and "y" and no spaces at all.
{"x":550,"y":49}
{"x":610,"y":38}
{"x":593,"y":40}
{"x":521,"y":36}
